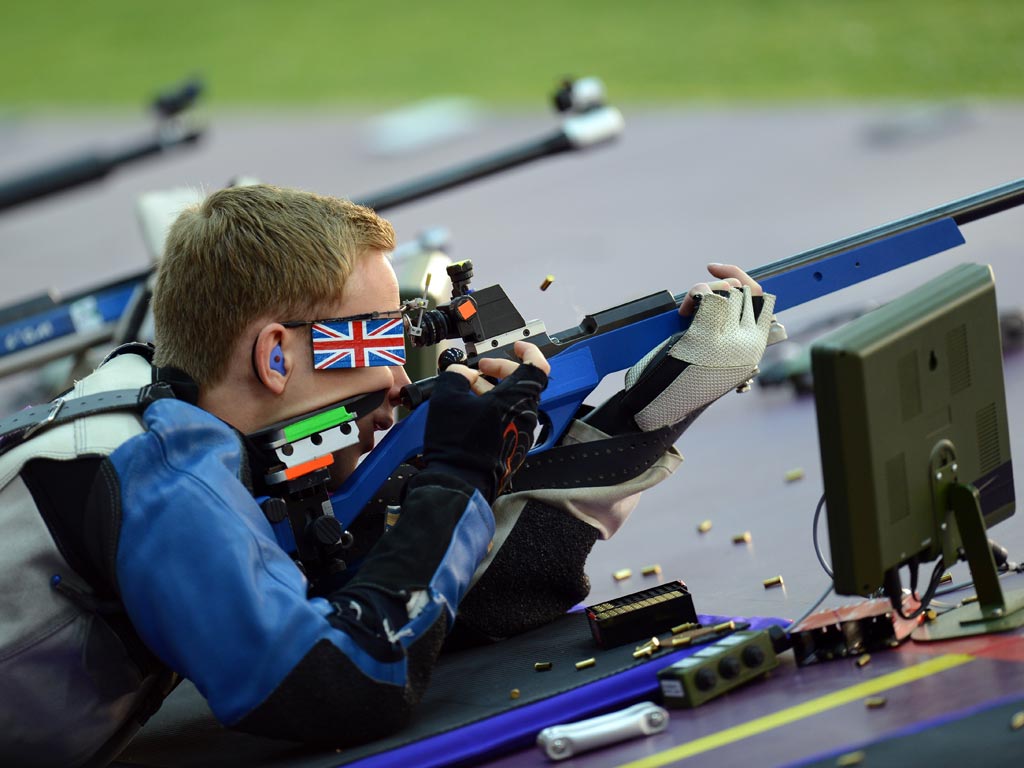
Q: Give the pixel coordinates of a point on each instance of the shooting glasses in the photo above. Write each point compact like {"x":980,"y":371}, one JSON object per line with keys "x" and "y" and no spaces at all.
{"x":360,"y":341}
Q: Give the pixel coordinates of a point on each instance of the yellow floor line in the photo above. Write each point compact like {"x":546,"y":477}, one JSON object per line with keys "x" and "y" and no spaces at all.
{"x":800,"y":711}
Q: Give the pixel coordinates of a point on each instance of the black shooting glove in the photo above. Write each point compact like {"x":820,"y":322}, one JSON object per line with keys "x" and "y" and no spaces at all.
{"x":483,"y":439}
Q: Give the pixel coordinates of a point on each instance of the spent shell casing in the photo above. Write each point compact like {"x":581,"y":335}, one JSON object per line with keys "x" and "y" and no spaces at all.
{"x":542,"y":666}
{"x":850,"y":759}
{"x":586,"y":663}
{"x":794,"y":474}
{"x":1017,"y":721}
{"x":725,"y":626}
{"x":514,"y":693}
{"x":652,"y":645}
{"x":875,"y":702}
{"x":651,"y":570}
{"x":622,"y":574}
{"x":863,"y":660}
{"x":683,"y":640}
{"x":774,"y":581}
{"x":547,"y":282}
{"x":704,"y":527}
{"x":684,"y":627}
{"x":741,"y":538}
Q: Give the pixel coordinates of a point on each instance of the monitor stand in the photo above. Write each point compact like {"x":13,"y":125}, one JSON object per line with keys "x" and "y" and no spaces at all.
{"x":994,"y":611}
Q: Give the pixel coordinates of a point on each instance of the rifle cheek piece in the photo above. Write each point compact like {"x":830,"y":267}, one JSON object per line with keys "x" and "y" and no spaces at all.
{"x":297,"y":454}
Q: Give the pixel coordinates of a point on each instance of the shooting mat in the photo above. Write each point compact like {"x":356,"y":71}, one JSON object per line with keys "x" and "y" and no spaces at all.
{"x":467,"y":715}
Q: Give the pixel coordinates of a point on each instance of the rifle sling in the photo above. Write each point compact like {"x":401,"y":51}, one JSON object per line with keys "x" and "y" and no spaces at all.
{"x":26,"y":423}
{"x":600,"y":463}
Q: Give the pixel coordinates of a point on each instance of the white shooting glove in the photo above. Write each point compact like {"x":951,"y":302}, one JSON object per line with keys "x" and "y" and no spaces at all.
{"x":718,"y":353}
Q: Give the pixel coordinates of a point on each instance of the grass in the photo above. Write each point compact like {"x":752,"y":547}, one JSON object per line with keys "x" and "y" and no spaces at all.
{"x":340,"y":53}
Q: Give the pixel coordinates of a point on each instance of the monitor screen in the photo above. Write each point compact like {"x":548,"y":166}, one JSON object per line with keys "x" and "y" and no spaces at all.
{"x":909,"y":399}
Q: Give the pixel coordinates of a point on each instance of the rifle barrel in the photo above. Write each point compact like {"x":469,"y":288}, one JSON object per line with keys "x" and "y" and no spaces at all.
{"x":471,"y":171}
{"x":579,"y":131}
{"x":962,"y":211}
{"x":82,"y":169}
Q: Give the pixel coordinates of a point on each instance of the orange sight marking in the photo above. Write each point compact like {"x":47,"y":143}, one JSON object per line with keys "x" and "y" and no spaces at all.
{"x":306,"y":467}
{"x":467,"y":309}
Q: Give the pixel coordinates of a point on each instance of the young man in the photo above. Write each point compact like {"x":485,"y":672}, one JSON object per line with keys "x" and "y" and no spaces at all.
{"x":134,"y":551}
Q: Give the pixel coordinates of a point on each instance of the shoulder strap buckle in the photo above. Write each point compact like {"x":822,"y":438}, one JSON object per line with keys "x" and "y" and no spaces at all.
{"x":45,"y":422}
{"x":158,"y":390}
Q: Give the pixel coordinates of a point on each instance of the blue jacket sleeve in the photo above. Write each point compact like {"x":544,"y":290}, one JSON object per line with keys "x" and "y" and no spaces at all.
{"x":201,"y":575}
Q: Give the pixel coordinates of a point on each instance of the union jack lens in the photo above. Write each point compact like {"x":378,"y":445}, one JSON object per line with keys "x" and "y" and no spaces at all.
{"x":358,"y":343}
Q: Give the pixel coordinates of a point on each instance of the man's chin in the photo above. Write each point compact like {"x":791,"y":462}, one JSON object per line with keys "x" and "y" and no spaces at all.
{"x":344,"y":465}
{"x":347,"y":459}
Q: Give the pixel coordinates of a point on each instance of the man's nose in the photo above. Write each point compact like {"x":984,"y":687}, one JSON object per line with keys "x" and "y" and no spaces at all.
{"x":399,"y":379}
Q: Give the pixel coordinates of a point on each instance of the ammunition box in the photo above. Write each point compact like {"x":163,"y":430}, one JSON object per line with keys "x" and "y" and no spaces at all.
{"x":641,"y":615}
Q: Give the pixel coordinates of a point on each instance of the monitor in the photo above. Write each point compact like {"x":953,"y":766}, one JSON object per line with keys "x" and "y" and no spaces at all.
{"x":915,"y":446}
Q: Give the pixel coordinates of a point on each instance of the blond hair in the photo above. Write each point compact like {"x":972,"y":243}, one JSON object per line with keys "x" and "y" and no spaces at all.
{"x":247,"y":253}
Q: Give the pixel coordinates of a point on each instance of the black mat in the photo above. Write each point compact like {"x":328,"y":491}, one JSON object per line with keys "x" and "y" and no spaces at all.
{"x":468,"y":686}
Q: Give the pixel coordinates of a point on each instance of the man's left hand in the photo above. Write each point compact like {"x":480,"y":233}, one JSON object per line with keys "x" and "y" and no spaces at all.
{"x":732,"y":319}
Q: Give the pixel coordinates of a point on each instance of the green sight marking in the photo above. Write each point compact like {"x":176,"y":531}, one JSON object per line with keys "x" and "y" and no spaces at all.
{"x":318,"y":423}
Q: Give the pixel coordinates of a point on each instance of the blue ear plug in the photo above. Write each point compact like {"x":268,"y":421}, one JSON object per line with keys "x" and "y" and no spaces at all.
{"x":277,"y":360}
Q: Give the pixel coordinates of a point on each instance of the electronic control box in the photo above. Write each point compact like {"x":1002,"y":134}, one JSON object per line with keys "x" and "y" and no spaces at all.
{"x":721,"y":667}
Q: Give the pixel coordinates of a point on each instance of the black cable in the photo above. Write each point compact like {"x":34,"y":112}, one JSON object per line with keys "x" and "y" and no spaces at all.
{"x":811,"y":610}
{"x":932,"y":592}
{"x":896,"y":596}
{"x":970,"y":583}
{"x":914,"y":566}
{"x":1003,"y":564}
{"x":814,"y":537}
{"x":957,"y":587}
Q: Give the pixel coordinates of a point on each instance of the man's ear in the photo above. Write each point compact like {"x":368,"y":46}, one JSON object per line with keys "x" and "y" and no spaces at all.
{"x":269,"y":360}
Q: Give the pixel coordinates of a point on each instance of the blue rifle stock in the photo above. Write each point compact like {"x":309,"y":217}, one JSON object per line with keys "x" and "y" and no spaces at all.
{"x":581,"y":357}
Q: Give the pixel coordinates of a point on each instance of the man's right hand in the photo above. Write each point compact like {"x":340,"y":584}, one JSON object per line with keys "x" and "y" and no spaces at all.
{"x":480,"y":432}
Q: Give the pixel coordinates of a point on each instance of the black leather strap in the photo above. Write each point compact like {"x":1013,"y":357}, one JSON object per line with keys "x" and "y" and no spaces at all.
{"x":26,"y":423}
{"x":599,"y":463}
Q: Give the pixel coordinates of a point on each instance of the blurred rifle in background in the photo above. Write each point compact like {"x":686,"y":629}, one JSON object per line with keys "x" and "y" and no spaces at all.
{"x":172,"y":132}
{"x":48,"y":326}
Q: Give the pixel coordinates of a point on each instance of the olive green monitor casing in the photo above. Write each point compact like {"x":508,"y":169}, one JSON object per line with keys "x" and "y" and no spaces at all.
{"x":897,"y":390}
